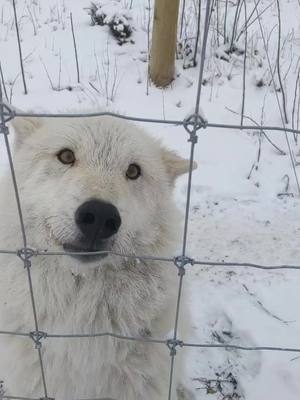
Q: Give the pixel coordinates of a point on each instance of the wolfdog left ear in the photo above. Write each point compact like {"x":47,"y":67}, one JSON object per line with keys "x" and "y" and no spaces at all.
{"x":25,"y":125}
{"x":175,"y":164}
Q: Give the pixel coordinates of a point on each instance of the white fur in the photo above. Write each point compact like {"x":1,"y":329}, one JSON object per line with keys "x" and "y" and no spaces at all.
{"x":111,"y":294}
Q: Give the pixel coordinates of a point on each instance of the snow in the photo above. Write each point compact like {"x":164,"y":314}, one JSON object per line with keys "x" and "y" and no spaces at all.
{"x":255,"y":307}
{"x":241,"y":207}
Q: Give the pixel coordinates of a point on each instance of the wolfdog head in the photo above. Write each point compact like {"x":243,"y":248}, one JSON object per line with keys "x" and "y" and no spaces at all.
{"x":95,"y":184}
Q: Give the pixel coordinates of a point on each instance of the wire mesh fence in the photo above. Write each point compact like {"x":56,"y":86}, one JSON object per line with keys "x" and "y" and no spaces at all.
{"x":192,"y":125}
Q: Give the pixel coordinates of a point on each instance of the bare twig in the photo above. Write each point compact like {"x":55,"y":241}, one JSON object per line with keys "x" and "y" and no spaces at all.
{"x":98,"y":73}
{"x":197,"y":35}
{"x":59,"y":70}
{"x":236,"y":16}
{"x":32,"y":20}
{"x":259,"y":302}
{"x":225,"y":21}
{"x":148,"y":47}
{"x":298,"y":111}
{"x":283,"y":153}
{"x":19,"y":46}
{"x":3,"y":82}
{"x":294,"y":105}
{"x":11,"y":85}
{"x":48,"y":75}
{"x":163,"y":104}
{"x":278,"y":65}
{"x":217,"y":24}
{"x":94,"y":87}
{"x":244,"y":64}
{"x":247,"y":22}
{"x":286,"y":180}
{"x":182,"y":18}
{"x":75,"y":48}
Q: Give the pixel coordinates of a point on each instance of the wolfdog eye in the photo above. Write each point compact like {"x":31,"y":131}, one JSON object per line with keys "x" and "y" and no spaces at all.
{"x":133,"y":171}
{"x":66,"y":156}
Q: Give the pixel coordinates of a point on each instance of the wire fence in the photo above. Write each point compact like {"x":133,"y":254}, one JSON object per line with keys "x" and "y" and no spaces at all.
{"x":192,"y":125}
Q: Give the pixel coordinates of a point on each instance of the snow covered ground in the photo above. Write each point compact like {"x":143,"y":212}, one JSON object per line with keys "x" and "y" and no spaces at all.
{"x":245,"y":205}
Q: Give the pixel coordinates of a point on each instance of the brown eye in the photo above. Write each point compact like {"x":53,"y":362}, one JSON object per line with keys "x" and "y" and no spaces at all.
{"x":133,"y":171}
{"x":66,"y":156}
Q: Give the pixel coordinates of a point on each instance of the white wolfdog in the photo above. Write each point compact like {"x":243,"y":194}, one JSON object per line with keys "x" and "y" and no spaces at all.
{"x":90,"y":185}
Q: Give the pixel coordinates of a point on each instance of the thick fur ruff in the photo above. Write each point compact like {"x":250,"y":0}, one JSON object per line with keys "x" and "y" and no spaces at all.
{"x":112,"y":294}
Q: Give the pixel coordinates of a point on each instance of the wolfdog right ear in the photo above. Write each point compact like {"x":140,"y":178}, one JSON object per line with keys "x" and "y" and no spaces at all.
{"x":175,"y":164}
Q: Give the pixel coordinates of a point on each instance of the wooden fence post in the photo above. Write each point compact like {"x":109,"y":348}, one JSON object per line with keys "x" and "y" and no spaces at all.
{"x":163,"y":48}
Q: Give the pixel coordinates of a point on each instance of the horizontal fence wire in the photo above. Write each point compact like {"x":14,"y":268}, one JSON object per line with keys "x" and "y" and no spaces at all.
{"x":192,"y":124}
{"x":11,"y":112}
{"x":178,"y":122}
{"x":175,"y":260}
{"x":168,"y":342}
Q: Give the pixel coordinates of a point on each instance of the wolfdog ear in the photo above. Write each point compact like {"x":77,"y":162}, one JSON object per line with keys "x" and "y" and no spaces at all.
{"x":25,"y":125}
{"x":175,"y":164}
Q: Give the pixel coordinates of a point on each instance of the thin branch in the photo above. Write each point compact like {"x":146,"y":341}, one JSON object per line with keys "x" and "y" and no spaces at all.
{"x":244,"y":64}
{"x":197,"y":35}
{"x":236,"y":16}
{"x":283,"y":153}
{"x":75,"y":48}
{"x":260,"y":304}
{"x":217,"y":16}
{"x":278,"y":65}
{"x":19,"y":46}
{"x":225,"y":21}
{"x":247,"y":23}
{"x":3,"y":83}
{"x":148,"y":47}
{"x":48,"y":75}
{"x":294,"y":105}
{"x":182,"y":18}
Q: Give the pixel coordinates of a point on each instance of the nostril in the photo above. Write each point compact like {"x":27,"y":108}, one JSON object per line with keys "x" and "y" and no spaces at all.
{"x":88,"y":218}
{"x":112,"y":225}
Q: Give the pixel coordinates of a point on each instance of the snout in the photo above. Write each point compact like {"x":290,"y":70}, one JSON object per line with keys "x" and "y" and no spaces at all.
{"x":97,"y":220}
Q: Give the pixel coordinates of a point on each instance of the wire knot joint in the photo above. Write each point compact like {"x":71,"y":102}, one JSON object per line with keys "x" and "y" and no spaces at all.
{"x":181,"y":262}
{"x":173,"y":344}
{"x":37,"y":336}
{"x":25,"y":255}
{"x":6,"y":115}
{"x":192,"y":124}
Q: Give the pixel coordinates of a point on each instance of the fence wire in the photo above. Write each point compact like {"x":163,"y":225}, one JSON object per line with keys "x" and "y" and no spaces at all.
{"x":192,"y":125}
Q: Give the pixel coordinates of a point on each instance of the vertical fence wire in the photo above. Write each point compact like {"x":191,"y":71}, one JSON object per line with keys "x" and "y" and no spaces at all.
{"x":24,"y":255}
{"x":193,"y":140}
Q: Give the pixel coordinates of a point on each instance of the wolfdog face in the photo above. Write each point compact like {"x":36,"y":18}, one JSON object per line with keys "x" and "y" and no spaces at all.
{"x":95,"y":184}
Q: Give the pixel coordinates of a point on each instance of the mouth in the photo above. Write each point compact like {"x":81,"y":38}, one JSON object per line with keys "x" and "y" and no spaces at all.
{"x":80,"y":251}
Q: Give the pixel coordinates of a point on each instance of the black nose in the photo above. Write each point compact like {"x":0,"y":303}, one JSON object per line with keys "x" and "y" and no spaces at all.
{"x":97,"y":220}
